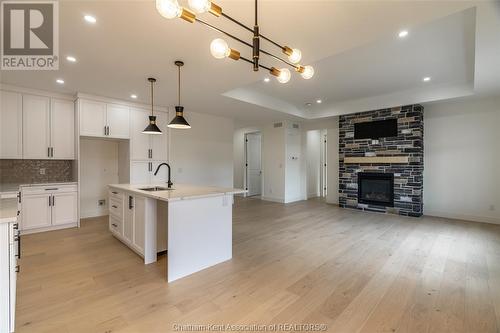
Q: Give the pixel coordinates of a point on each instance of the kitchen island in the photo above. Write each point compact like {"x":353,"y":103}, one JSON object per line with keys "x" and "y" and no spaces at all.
{"x":197,"y":221}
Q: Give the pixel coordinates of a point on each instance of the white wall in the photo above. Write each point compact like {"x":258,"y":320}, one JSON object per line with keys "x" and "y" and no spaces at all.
{"x":293,"y":164}
{"x":99,"y":167}
{"x":273,"y":163}
{"x":313,"y":163}
{"x":203,"y":155}
{"x":462,"y":160}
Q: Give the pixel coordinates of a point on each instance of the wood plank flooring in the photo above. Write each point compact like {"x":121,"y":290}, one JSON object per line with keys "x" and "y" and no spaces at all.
{"x":302,"y":263}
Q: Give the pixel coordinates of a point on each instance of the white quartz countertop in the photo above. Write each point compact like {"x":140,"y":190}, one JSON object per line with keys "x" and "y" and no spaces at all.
{"x":8,"y":210}
{"x":178,"y":191}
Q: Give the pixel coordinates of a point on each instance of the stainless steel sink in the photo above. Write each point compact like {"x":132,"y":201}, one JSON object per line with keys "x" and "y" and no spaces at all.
{"x":156,"y":189}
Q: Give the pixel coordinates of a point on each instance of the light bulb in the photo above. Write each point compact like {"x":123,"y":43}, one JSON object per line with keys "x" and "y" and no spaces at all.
{"x":219,"y":48}
{"x":200,"y":6}
{"x":295,"y":56}
{"x":168,"y":8}
{"x":308,"y":72}
{"x":284,"y":76}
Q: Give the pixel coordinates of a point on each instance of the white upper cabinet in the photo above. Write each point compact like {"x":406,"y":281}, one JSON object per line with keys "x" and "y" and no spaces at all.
{"x":118,"y":121}
{"x":36,"y":128}
{"x":104,"y":120}
{"x":62,"y":125}
{"x":11,"y":125}
{"x":92,"y":118}
{"x":147,"y":146}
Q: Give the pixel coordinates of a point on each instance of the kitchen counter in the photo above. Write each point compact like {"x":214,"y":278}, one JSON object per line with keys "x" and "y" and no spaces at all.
{"x":8,"y":210}
{"x":178,"y":191}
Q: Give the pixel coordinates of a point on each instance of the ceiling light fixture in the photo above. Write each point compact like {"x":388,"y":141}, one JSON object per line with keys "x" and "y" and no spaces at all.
{"x":133,"y":96}
{"x":426,"y":79}
{"x":403,"y":33}
{"x":71,"y":59}
{"x":90,"y":19}
{"x":60,"y":81}
{"x":152,"y":128}
{"x":319,"y":101}
{"x":220,"y":49}
{"x":179,"y":121}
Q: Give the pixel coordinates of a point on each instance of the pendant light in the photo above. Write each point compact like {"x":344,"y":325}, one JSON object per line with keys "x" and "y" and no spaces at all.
{"x":179,"y":121}
{"x":152,"y":128}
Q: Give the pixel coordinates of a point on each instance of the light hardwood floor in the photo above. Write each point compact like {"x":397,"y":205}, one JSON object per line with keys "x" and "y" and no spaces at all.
{"x":307,"y":262}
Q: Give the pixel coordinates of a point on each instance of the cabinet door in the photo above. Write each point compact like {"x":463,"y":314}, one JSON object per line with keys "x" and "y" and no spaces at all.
{"x":118,"y":120}
{"x":139,"y":142}
{"x":159,"y":142}
{"x":11,"y":125}
{"x":128,"y":219}
{"x":36,"y":212}
{"x":162,"y":176}
{"x":92,"y":118}
{"x":36,"y":134}
{"x":139,"y":224}
{"x":62,"y":129}
{"x":140,"y":172}
{"x":64,"y":208}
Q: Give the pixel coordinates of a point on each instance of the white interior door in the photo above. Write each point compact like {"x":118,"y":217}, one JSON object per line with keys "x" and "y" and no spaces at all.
{"x":62,"y":128}
{"x":36,"y":135}
{"x":324,"y":156}
{"x":253,"y":163}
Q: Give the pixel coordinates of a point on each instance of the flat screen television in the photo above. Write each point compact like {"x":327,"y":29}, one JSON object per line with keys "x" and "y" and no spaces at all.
{"x":376,"y":129}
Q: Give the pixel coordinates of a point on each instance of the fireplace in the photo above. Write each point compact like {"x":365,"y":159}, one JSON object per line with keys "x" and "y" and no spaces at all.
{"x":376,"y":188}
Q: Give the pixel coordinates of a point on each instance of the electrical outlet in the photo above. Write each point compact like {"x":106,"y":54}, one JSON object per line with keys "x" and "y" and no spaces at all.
{"x":101,"y":202}
{"x":42,"y":171}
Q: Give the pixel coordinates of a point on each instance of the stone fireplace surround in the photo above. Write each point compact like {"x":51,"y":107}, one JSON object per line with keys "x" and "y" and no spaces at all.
{"x":407,"y":168}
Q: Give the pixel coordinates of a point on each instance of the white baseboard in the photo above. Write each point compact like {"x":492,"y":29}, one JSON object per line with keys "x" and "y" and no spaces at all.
{"x":294,"y":199}
{"x":51,"y":228}
{"x":273,"y":199}
{"x":464,"y":217}
{"x":94,"y":213}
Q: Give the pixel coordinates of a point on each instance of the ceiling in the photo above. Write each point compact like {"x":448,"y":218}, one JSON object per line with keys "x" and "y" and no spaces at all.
{"x":360,"y":62}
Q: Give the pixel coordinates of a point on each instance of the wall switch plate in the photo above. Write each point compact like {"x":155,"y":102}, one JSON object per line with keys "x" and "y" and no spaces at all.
{"x":375,"y":142}
{"x":101,"y":202}
{"x":42,"y":171}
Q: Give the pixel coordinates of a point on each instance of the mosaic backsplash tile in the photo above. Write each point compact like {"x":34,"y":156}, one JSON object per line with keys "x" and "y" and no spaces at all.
{"x":28,"y":171}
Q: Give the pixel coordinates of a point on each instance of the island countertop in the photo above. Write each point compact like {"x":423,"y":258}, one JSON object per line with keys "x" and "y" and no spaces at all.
{"x":178,"y":191}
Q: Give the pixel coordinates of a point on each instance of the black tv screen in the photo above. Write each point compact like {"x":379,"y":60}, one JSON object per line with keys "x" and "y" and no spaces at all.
{"x":376,"y":129}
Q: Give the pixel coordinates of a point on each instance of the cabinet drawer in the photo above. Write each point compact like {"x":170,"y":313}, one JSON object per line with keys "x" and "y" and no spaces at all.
{"x":114,"y":194}
{"x":32,"y":190}
{"x":116,"y":207}
{"x":115,"y":225}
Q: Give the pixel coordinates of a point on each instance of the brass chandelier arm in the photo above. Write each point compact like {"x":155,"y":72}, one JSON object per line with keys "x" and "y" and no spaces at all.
{"x":243,"y":42}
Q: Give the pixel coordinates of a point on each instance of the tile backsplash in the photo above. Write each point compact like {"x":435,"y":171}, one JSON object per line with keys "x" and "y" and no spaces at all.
{"x":36,"y":171}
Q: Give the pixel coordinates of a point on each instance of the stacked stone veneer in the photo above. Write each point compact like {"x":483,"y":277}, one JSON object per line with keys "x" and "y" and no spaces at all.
{"x":408,"y":178}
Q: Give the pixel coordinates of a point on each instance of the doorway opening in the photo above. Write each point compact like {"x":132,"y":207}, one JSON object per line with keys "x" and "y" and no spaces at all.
{"x":324,"y":159}
{"x":253,"y":164}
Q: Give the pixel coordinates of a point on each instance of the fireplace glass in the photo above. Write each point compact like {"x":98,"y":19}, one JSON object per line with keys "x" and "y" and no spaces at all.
{"x":376,"y":188}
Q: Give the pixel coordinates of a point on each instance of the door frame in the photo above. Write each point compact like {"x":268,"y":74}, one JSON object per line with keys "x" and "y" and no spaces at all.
{"x":245,"y":164}
{"x":324,"y":164}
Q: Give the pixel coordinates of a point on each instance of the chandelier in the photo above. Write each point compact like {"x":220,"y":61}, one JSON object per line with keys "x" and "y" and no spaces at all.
{"x":220,"y":49}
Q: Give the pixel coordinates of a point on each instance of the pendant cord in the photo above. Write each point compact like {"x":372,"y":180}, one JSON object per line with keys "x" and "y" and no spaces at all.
{"x":179,"y":90}
{"x":255,"y":12}
{"x":152,"y":99}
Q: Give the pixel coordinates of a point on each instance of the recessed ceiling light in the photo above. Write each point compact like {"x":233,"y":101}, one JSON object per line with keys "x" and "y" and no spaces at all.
{"x":134,"y":96}
{"x":267,"y":79}
{"x":90,"y":19}
{"x":308,"y":104}
{"x":319,"y":101}
{"x":403,"y":33}
{"x":71,"y":59}
{"x":426,"y":79}
{"x":60,"y":81}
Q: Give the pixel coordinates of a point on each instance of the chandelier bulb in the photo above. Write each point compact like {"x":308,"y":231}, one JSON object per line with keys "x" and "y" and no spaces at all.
{"x":295,"y":56}
{"x":308,"y":72}
{"x":219,"y":48}
{"x":284,"y":75}
{"x":200,"y":6}
{"x":169,"y":8}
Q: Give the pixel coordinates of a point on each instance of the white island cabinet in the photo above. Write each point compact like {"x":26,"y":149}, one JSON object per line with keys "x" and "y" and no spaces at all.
{"x":198,"y":224}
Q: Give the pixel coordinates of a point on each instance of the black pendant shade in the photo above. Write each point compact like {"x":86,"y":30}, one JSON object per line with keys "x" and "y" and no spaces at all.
{"x":152,"y":128}
{"x":179,"y":121}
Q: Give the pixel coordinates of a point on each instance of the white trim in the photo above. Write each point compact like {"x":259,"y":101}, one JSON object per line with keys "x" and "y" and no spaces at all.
{"x":463,"y":217}
{"x":37,"y":92}
{"x":273,"y":199}
{"x":50,"y":228}
{"x":120,"y":102}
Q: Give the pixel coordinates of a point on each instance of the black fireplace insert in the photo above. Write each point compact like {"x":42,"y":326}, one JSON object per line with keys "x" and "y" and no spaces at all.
{"x":376,"y":188}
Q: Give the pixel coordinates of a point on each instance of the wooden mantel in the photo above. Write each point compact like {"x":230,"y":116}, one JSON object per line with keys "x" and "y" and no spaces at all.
{"x":376,"y":159}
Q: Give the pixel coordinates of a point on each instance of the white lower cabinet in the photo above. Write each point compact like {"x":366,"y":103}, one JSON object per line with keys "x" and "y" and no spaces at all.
{"x":134,"y":223}
{"x":9,"y":247}
{"x":45,"y":208}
